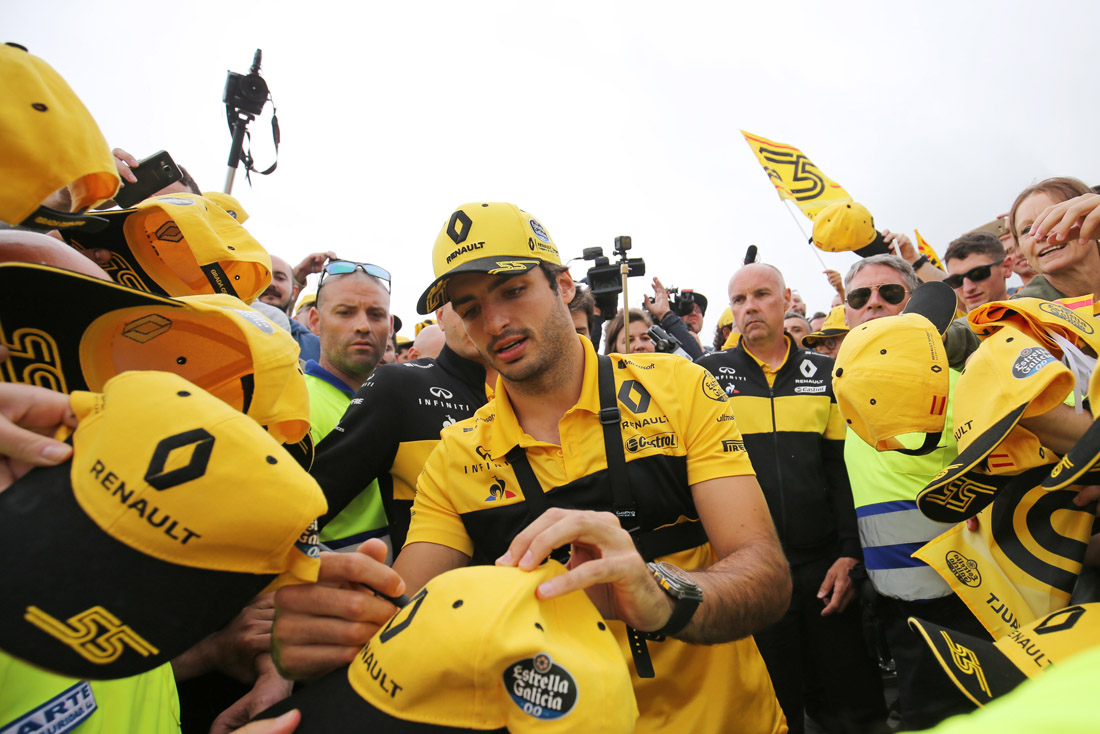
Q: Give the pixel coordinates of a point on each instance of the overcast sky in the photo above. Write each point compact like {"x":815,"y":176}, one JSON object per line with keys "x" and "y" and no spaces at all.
{"x":600,"y":118}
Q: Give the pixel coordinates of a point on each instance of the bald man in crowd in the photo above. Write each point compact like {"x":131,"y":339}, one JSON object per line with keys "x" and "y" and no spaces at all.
{"x":428,"y":343}
{"x":783,"y":398}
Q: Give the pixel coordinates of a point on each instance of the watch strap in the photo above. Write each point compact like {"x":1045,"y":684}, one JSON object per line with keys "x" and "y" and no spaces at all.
{"x":682,"y":613}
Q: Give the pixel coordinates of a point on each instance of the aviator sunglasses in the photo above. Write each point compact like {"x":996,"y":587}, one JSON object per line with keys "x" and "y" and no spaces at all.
{"x":974,"y":274}
{"x":892,"y":293}
{"x":343,"y":267}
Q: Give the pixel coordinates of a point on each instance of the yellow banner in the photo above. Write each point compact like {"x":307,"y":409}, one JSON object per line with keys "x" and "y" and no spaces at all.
{"x":1021,"y":563}
{"x":926,"y":249}
{"x":795,"y":176}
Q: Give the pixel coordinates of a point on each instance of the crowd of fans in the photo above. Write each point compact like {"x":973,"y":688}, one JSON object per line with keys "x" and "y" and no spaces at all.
{"x":798,"y":534}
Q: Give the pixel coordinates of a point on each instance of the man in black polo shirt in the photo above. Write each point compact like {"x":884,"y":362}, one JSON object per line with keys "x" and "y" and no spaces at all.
{"x":391,"y":426}
{"x":783,"y":399}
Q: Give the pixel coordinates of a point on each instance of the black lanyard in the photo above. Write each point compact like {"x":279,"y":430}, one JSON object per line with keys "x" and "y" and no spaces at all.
{"x":625,"y":507}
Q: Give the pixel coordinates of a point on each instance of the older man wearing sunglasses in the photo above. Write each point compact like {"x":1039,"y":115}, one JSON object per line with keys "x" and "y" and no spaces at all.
{"x":975,"y":263}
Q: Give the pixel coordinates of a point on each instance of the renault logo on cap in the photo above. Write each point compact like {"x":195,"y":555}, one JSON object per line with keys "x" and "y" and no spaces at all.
{"x":459,"y":227}
{"x":203,"y":444}
{"x":146,"y":328}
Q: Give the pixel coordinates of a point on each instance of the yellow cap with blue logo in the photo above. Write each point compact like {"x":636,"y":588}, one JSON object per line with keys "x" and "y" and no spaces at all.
{"x":494,"y":238}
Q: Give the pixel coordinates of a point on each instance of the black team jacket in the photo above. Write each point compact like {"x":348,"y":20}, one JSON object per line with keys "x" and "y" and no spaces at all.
{"x":795,"y":438}
{"x":389,"y":429}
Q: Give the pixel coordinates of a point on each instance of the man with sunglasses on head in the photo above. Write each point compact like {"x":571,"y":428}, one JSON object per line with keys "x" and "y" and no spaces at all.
{"x":351,"y":316}
{"x":885,"y":486}
{"x":976,"y":269}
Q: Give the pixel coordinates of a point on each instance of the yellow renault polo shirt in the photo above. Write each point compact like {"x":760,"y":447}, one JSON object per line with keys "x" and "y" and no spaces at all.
{"x":677,"y":430}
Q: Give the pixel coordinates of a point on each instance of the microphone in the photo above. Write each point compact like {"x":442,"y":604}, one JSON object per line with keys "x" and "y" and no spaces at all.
{"x":750,"y":254}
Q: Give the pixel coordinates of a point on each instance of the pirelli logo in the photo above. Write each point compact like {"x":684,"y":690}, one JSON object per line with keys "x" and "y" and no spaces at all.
{"x":95,"y":634}
{"x":729,"y":445}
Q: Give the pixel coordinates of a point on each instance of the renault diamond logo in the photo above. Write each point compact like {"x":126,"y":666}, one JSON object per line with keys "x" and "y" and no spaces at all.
{"x":195,"y":467}
{"x":628,"y":390}
{"x":808,"y":368}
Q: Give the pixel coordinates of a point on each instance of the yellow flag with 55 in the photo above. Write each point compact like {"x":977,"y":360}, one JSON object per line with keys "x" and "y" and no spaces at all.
{"x":795,"y":176}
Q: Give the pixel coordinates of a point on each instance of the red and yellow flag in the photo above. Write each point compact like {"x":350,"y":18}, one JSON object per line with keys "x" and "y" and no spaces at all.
{"x":795,"y":176}
{"x":926,"y":249}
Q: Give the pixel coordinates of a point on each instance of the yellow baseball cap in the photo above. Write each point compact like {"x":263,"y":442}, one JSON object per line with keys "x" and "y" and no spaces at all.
{"x":1040,"y":320}
{"x":844,"y":227}
{"x":174,"y":511}
{"x":48,"y":141}
{"x":180,"y":245}
{"x":494,"y":238}
{"x":101,"y":329}
{"x":726,"y":319}
{"x":305,"y":301}
{"x":229,"y":203}
{"x":891,"y":373}
{"x":834,"y":325}
{"x":1008,"y":378}
{"x":984,"y":670}
{"x":476,"y":649}
{"x":891,"y":379}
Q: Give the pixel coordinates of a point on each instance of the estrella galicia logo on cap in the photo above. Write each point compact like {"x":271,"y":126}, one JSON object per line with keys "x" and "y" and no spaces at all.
{"x":540,"y":687}
{"x":202,"y":444}
{"x":537,"y":228}
{"x":1030,"y":361}
{"x":965,"y":569}
{"x":1066,"y":314}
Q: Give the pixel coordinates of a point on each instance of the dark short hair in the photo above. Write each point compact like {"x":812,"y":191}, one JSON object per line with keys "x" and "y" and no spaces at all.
{"x":976,"y":242}
{"x":584,"y":302}
{"x":1060,"y":188}
{"x":819,"y":315}
{"x":188,"y":181}
{"x":552,"y":271}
